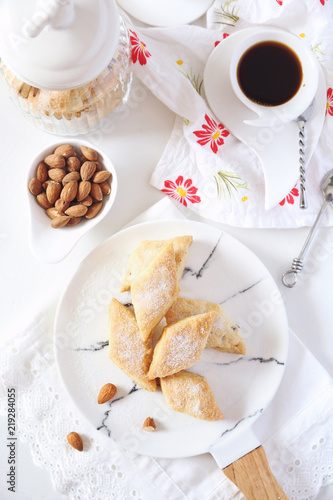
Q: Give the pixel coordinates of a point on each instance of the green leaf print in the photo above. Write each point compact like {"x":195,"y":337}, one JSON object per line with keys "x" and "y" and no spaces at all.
{"x":228,"y":183}
{"x":228,"y":17}
{"x":196,"y":81}
{"x":318,"y":53}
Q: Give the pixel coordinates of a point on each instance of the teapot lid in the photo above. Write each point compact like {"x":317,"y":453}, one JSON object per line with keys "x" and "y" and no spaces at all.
{"x":58,"y":44}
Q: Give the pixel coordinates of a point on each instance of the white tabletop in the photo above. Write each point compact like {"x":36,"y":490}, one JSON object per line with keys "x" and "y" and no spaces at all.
{"x":134,"y":143}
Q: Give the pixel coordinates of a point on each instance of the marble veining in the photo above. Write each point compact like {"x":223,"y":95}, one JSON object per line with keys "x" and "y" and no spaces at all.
{"x":247,"y":359}
{"x":267,"y":360}
{"x":203,"y":267}
{"x":98,"y":346}
{"x":241,"y":291}
{"x":256,"y":413}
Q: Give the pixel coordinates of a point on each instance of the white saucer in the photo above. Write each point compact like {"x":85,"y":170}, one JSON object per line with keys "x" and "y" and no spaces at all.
{"x":277,"y":147}
{"x":165,"y":12}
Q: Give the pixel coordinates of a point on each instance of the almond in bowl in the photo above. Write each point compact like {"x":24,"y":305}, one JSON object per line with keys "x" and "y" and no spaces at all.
{"x":71,"y":188}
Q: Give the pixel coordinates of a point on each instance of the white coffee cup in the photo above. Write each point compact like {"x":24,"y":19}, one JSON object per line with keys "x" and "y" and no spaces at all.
{"x":288,"y":111}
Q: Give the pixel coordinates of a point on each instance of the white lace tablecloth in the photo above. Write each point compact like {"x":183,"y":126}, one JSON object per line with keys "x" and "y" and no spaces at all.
{"x":296,"y":429}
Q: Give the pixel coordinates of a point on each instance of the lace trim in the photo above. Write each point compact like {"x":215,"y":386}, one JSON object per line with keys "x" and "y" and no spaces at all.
{"x":301,"y":457}
{"x":44,"y":422}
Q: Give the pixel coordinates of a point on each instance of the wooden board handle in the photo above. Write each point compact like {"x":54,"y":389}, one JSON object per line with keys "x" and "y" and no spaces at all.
{"x":253,"y":476}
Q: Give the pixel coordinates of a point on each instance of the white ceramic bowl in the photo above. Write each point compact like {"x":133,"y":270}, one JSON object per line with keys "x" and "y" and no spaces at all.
{"x":52,"y":245}
{"x":290,"y":110}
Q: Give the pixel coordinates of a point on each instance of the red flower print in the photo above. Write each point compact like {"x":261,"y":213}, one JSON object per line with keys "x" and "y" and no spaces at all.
{"x":290,"y":197}
{"x":329,"y":105}
{"x":139,"y":51}
{"x":323,"y":2}
{"x":213,"y":133}
{"x":279,"y":2}
{"x":225,"y":35}
{"x":181,"y":191}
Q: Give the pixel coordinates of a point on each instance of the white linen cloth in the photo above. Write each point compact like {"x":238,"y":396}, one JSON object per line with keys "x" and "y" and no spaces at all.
{"x":296,"y":430}
{"x":171,"y":61}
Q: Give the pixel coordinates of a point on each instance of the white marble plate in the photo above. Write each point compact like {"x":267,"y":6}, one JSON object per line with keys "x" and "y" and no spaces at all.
{"x":219,"y":269}
{"x":165,"y":12}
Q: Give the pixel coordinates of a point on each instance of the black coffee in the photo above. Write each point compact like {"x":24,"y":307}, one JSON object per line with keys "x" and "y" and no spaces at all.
{"x":269,"y":73}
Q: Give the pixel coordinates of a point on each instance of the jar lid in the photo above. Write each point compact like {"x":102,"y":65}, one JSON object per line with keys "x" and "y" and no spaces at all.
{"x":58,"y":44}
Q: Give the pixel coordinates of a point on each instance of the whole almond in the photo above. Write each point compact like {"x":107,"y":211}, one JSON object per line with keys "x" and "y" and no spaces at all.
{"x":93,"y":210}
{"x":73,"y":164}
{"x":41,"y":173}
{"x":65,"y":150}
{"x":69,"y":191}
{"x":60,"y":221}
{"x":105,"y":187}
{"x":56,"y":174}
{"x":73,"y":221}
{"x":83,"y":190}
{"x":55,"y":161}
{"x":149,"y":425}
{"x":53,"y":212}
{"x":96,"y":192}
{"x":82,"y":159}
{"x":98,"y":166}
{"x":35,"y":186}
{"x":107,"y":392}
{"x":87,"y":170}
{"x":89,"y":153}
{"x":101,"y":176}
{"x":46,"y":183}
{"x":75,"y":440}
{"x":72,"y":176}
{"x":53,"y":191}
{"x":76,"y":210}
{"x":61,"y":205}
{"x":87,"y":201}
{"x":43,"y":201}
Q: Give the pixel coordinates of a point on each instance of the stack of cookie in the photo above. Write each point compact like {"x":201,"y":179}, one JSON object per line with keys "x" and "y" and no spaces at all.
{"x":152,"y":277}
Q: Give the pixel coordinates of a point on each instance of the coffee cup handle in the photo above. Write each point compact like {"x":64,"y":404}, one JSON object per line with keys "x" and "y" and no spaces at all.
{"x":272,"y":120}
{"x":258,"y":122}
{"x":261,"y":117}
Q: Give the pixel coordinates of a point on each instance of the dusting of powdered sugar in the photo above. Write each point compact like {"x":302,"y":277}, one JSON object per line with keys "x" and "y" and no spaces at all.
{"x":179,"y":348}
{"x":153,"y":293}
{"x":187,"y":394}
{"x":220,"y":322}
{"x":126,"y":346}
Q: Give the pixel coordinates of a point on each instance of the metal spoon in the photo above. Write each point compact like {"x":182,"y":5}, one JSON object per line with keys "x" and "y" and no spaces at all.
{"x":301,"y":120}
{"x":290,"y":277}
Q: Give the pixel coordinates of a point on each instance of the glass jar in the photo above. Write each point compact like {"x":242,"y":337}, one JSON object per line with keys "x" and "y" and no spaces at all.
{"x":79,"y":110}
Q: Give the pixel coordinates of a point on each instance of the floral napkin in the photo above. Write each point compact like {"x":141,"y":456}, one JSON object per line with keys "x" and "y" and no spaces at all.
{"x":204,"y":166}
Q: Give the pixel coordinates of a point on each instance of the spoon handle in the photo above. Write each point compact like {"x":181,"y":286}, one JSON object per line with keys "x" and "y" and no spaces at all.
{"x":290,"y":278}
{"x":303,"y":202}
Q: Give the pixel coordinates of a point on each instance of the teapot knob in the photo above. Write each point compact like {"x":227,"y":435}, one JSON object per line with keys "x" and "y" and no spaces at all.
{"x":57,"y":13}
